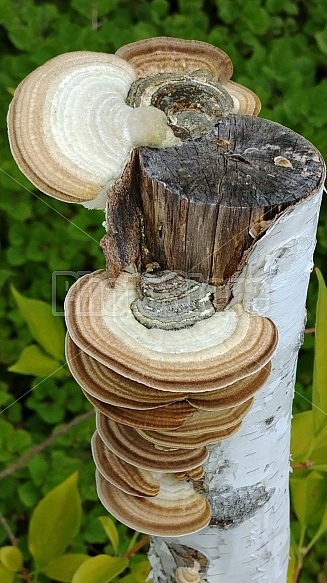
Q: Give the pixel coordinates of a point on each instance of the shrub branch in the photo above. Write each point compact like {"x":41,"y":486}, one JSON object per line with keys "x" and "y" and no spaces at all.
{"x":41,"y":446}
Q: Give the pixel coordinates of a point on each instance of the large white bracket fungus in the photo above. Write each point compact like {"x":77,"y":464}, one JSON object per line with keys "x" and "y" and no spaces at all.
{"x":70,"y":129}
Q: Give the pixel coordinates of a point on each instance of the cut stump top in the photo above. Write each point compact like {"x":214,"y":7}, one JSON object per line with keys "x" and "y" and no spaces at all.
{"x":206,"y":201}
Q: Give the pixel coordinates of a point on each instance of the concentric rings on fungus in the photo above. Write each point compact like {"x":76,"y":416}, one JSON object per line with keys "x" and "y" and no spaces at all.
{"x":175,"y":511}
{"x":212,"y":354}
{"x":174,"y":55}
{"x":125,"y":476}
{"x":110,"y":387}
{"x":70,"y":130}
{"x":131,"y":447}
{"x":181,"y":383}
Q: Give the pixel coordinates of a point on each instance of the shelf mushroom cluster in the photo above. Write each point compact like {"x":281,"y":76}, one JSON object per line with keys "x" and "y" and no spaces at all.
{"x":167,"y":374}
{"x":161,"y":394}
{"x":74,"y":121}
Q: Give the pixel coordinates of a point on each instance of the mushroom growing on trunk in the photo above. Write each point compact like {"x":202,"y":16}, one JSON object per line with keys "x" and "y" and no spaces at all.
{"x":186,"y":344}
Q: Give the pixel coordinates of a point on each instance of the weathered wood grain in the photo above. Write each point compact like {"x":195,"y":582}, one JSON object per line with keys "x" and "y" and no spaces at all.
{"x":122,"y":243}
{"x":198,"y":208}
{"x":202,"y":199}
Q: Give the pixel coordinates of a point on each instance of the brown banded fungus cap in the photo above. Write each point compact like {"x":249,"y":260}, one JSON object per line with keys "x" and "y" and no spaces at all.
{"x":149,"y":57}
{"x":206,"y":421}
{"x":232,"y":395}
{"x":163,"y":53}
{"x":175,"y":511}
{"x":195,"y":474}
{"x":104,"y":384}
{"x":168,"y":440}
{"x":70,"y":130}
{"x":125,"y":476}
{"x":166,"y":417}
{"x":212,"y":354}
{"x":126,"y":443}
{"x":201,"y":429}
{"x":107,"y":386}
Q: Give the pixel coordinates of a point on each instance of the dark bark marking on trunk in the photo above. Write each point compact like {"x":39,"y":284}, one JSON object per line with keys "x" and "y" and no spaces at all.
{"x":185,"y":556}
{"x":230,"y":507}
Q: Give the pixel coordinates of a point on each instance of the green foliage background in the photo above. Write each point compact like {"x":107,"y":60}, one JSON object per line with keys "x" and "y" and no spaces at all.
{"x":279,"y":50}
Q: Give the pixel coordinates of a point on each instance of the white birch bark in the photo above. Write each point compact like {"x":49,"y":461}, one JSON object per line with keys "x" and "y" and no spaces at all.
{"x":247,"y":475}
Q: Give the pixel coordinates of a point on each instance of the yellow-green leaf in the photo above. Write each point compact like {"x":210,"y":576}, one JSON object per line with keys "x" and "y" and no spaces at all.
{"x":319,"y":385}
{"x":11,"y":558}
{"x":5,"y":575}
{"x":55,"y":522}
{"x":141,"y":571}
{"x":63,"y":568}
{"x":302,"y":435}
{"x":308,"y":498}
{"x":321,"y":530}
{"x":46,"y":329}
{"x":130,"y":578}
{"x":35,"y":362}
{"x":291,"y":566}
{"x":111,"y":531}
{"x":100,"y":569}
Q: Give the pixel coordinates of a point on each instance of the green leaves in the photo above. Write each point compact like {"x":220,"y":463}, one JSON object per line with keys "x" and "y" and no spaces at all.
{"x":309,"y":429}
{"x":11,"y":562}
{"x":309,"y":443}
{"x":34,"y":361}
{"x":55,"y":522}
{"x":319,"y":385}
{"x":140,"y":571}
{"x":5,"y":575}
{"x":47,"y":329}
{"x":302,"y":435}
{"x":62,"y":568}
{"x":100,"y":569}
{"x":308,"y":496}
{"x":11,"y":558}
{"x":47,"y":357}
{"x":111,"y":531}
{"x":92,"y":9}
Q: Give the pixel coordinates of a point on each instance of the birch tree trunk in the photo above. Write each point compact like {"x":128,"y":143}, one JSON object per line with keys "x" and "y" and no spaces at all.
{"x":221,"y":207}
{"x":246,"y":476}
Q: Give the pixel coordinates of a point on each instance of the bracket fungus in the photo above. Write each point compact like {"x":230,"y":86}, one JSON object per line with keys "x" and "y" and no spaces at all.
{"x":177,"y":510}
{"x":167,"y":375}
{"x":72,"y":132}
{"x":189,"y":574}
{"x":211,"y":354}
{"x":128,"y":444}
{"x":167,"y":371}
{"x":127,"y":477}
{"x":174,"y":55}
